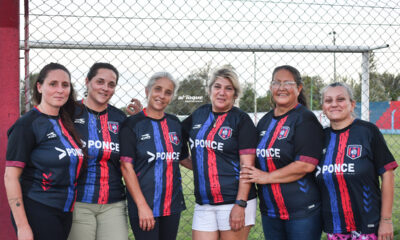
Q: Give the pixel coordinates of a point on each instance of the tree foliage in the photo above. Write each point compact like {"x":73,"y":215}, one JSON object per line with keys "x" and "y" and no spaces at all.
{"x":192,"y":92}
{"x":27,"y":105}
{"x":264,"y":103}
{"x":313,"y":84}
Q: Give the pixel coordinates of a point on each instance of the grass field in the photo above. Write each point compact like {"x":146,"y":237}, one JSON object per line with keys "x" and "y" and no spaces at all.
{"x":185,"y":225}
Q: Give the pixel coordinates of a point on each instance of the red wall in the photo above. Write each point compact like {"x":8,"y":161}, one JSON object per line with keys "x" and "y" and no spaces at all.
{"x":9,"y":92}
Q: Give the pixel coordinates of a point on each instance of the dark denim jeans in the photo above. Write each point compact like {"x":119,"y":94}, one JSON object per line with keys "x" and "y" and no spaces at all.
{"x":308,"y":228}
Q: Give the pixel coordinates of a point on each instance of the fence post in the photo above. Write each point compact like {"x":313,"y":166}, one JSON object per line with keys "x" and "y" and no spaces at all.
{"x":365,"y":86}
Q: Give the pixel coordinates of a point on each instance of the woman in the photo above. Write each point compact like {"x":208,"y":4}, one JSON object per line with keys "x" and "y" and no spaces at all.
{"x":100,"y":210}
{"x":222,"y":138}
{"x":289,"y":148}
{"x":151,"y":150}
{"x":353,"y":205}
{"x":44,"y":159}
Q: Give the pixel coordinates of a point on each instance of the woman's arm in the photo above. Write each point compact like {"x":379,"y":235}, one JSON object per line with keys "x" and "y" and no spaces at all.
{"x":290,"y":173}
{"x":146,"y":218}
{"x":187,"y":163}
{"x":385,"y":230}
{"x":14,"y":195}
{"x":237,"y":216}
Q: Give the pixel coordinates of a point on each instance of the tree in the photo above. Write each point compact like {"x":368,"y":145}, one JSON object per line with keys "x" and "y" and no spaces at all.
{"x":264,"y":103}
{"x":315,"y":84}
{"x":27,"y":105}
{"x":192,"y":92}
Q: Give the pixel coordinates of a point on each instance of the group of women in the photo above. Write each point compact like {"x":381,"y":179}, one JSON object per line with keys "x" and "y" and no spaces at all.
{"x":66,"y":160}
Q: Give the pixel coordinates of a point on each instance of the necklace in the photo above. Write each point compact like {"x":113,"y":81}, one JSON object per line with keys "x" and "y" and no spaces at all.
{"x":96,"y":115}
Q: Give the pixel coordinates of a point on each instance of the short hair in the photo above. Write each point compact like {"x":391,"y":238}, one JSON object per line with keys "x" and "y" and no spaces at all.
{"x":228,"y":73}
{"x":348,"y":89}
{"x":158,"y":75}
{"x":99,"y":65}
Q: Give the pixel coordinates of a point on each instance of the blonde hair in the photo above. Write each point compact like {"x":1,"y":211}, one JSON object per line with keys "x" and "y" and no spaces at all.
{"x":228,"y":73}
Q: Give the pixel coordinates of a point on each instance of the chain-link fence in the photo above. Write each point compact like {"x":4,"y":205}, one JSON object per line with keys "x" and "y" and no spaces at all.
{"x":323,"y":39}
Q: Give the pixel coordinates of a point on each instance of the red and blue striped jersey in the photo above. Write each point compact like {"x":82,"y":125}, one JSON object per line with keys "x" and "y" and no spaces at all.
{"x":50,"y":158}
{"x":217,"y":140}
{"x":101,"y":182}
{"x":348,"y":174}
{"x":155,"y":147}
{"x":294,"y":136}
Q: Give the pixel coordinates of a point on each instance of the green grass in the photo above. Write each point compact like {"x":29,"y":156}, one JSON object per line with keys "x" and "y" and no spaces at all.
{"x":185,"y":226}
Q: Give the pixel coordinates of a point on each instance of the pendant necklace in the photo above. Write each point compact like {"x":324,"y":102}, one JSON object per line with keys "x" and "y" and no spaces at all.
{"x":96,"y":117}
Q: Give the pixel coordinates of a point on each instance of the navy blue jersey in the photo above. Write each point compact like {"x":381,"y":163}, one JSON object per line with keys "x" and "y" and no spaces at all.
{"x":294,"y":136}
{"x":101,"y":183}
{"x":348,"y":177}
{"x":217,"y":140}
{"x":50,"y":158}
{"x":154,"y":147}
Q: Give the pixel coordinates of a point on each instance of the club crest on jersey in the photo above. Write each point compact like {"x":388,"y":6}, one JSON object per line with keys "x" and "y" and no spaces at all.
{"x":354,"y":151}
{"x":225,"y":132}
{"x":173,"y":138}
{"x":284,"y":132}
{"x":113,"y":127}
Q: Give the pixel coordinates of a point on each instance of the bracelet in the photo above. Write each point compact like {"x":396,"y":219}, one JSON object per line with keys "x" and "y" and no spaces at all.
{"x":388,"y":221}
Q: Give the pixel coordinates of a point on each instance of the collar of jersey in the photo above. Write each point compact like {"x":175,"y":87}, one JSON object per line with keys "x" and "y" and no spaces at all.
{"x":145,"y":114}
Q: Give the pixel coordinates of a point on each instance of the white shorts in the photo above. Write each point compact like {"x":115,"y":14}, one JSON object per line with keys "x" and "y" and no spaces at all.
{"x":211,"y":218}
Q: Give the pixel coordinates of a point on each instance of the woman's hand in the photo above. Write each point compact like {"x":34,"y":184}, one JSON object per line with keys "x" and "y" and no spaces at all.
{"x":25,"y":233}
{"x":251,"y":174}
{"x":134,"y":107}
{"x":385,"y":231}
{"x":146,"y":218}
{"x":236,"y":218}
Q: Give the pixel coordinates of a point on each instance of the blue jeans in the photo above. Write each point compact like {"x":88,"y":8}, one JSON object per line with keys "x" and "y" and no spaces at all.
{"x":308,"y":228}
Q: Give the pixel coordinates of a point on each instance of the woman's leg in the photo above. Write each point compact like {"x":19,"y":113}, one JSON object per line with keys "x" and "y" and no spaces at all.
{"x":169,"y":227}
{"x":47,"y":223}
{"x":112,"y":222}
{"x":274,"y":228}
{"x":308,"y":228}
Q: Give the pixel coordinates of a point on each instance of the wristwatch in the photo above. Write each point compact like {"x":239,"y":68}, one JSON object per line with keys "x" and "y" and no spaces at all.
{"x":241,"y":203}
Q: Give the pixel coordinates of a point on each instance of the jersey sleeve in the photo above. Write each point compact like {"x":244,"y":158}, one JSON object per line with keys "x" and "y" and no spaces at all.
{"x":308,"y":141}
{"x":382,"y":157}
{"x":21,"y":142}
{"x":247,"y":135}
{"x":186,"y":125}
{"x":127,"y":141}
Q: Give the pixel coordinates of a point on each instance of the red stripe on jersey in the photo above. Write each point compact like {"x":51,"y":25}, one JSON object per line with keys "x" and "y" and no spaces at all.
{"x":247,"y":151}
{"x":276,"y":187}
{"x":126,"y":159}
{"x":308,"y":159}
{"x":104,"y":171}
{"x":344,"y":192}
{"x":15,"y":164}
{"x":169,"y":174}
{"x":212,"y":162}
{"x":391,"y":166}
{"x":80,"y":157}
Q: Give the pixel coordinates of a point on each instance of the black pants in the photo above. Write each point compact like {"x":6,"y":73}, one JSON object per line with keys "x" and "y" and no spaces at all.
{"x":165,"y":228}
{"x":47,"y":223}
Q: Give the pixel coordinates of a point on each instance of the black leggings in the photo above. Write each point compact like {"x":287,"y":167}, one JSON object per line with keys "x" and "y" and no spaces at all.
{"x":47,"y":223}
{"x":165,"y":228}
